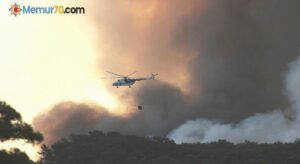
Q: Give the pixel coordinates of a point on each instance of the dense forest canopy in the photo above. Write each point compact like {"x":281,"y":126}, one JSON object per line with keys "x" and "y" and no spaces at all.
{"x":113,"y":148}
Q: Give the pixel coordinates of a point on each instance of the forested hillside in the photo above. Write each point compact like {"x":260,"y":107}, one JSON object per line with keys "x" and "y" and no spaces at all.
{"x":114,"y":148}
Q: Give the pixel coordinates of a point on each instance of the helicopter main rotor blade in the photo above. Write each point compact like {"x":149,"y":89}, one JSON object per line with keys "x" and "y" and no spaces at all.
{"x":131,"y":73}
{"x":115,"y":74}
{"x":110,"y":77}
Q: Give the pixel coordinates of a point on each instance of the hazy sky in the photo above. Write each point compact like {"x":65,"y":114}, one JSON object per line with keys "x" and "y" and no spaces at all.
{"x":48,"y":58}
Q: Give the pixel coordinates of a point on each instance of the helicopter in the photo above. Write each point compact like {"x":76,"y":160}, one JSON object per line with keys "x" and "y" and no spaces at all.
{"x":127,"y":81}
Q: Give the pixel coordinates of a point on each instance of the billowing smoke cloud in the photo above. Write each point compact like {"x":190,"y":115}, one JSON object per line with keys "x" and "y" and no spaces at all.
{"x":155,"y":118}
{"x":269,"y":127}
{"x":219,"y":60}
{"x":230,"y":55}
{"x":65,"y":117}
{"x":139,"y":35}
{"x":244,"y":49}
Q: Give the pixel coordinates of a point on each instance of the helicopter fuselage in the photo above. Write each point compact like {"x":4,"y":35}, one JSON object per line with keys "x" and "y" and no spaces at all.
{"x":123,"y":82}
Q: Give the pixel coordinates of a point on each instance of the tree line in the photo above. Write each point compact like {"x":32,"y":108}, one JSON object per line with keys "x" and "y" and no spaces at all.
{"x":114,"y":148}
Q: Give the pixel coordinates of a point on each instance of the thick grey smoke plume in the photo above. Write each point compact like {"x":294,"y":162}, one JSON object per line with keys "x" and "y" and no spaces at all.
{"x":234,"y":51}
{"x":220,"y":60}
{"x":244,"y":49}
{"x":69,"y":117}
{"x":66,"y":118}
{"x":269,"y":127}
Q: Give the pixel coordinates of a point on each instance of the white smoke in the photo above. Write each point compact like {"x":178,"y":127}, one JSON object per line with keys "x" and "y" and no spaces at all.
{"x":267,"y":127}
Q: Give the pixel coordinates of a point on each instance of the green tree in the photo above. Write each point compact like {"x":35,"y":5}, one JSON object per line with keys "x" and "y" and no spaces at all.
{"x":12,"y":127}
{"x":14,"y":156}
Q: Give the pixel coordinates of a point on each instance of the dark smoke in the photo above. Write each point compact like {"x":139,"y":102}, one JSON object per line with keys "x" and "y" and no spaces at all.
{"x":155,"y":118}
{"x":244,"y":49}
{"x":66,"y":118}
{"x":240,"y":51}
{"x":235,"y":53}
